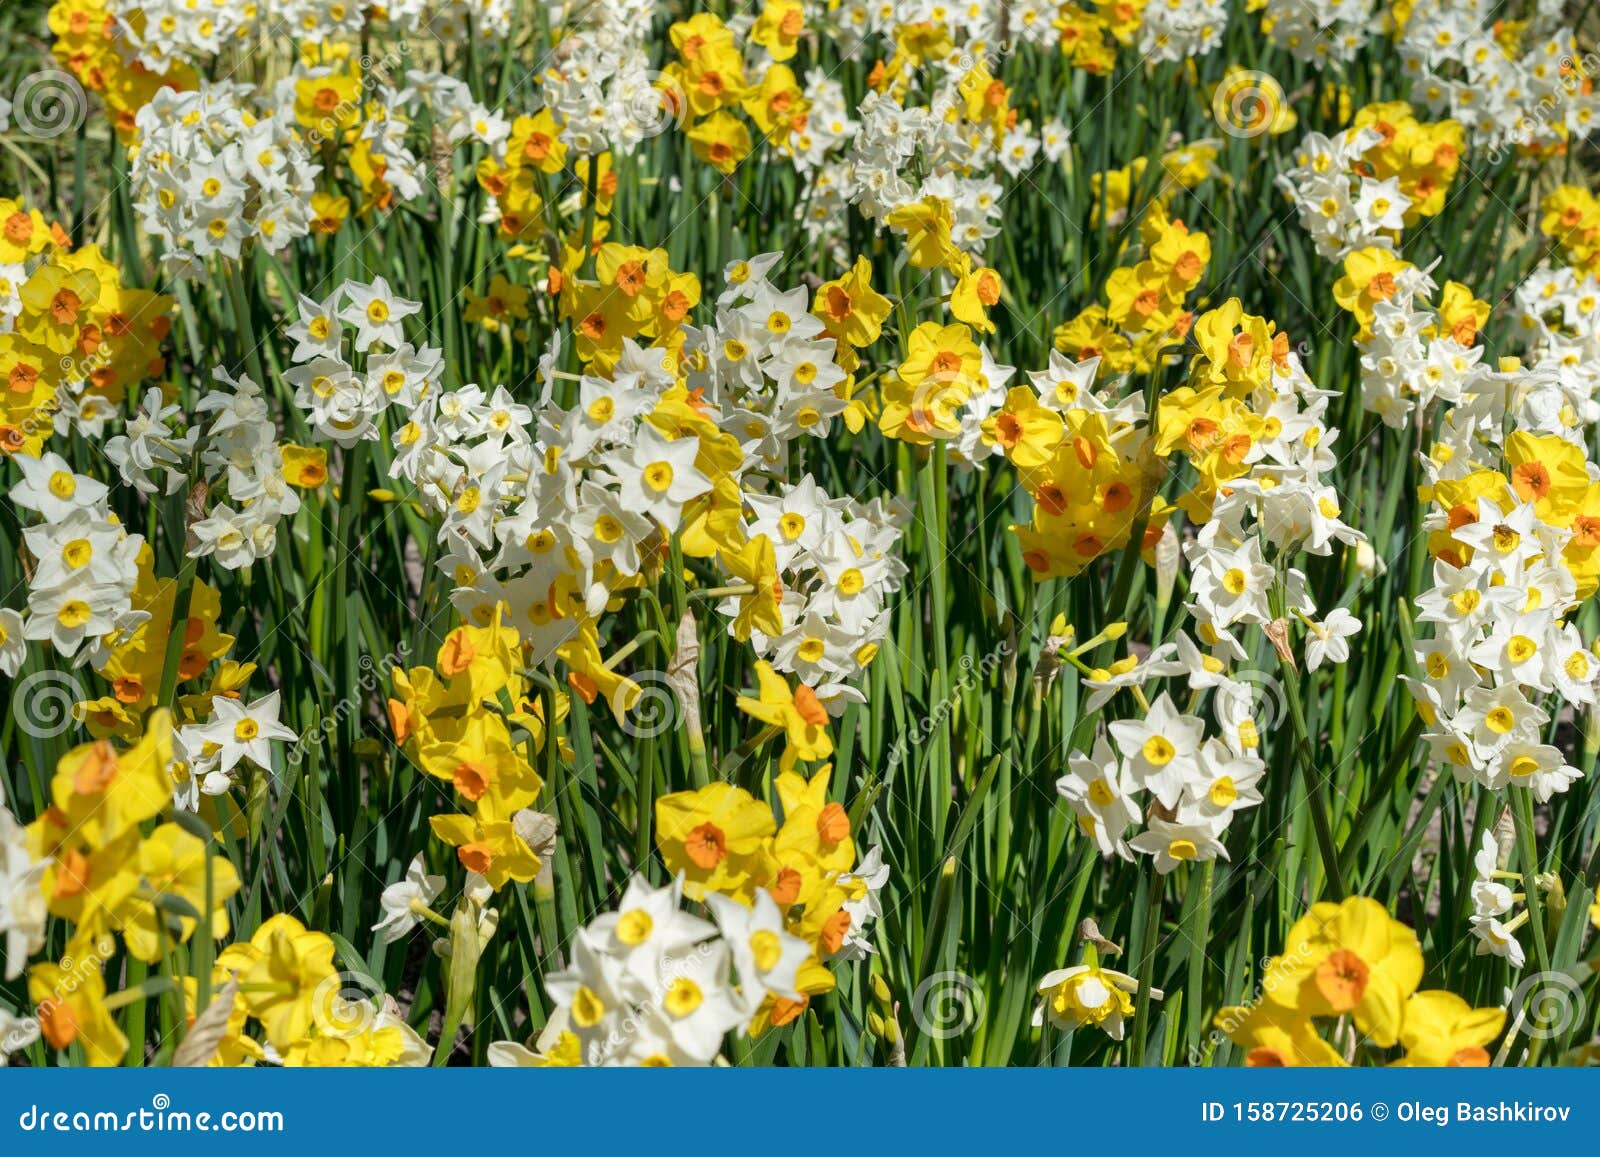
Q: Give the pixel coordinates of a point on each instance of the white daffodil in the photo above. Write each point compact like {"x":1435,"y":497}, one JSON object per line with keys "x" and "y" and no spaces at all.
{"x":376,"y":312}
{"x":649,"y":923}
{"x":50,"y":487}
{"x":403,"y":900}
{"x":1160,"y":748}
{"x":22,"y":901}
{"x":1178,"y":842}
{"x":240,"y":732}
{"x":1326,"y":642}
{"x":765,"y":956}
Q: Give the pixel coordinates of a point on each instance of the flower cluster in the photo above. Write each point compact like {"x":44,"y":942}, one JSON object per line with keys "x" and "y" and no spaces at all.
{"x":1196,"y":785}
{"x":1513,"y":84}
{"x":1512,"y":533}
{"x":1361,"y":187}
{"x":1493,"y":924}
{"x":720,"y":398}
{"x":164,"y":34}
{"x":211,"y":174}
{"x":722,"y":840}
{"x":1183,"y":30}
{"x":442,"y":717}
{"x":1503,"y":592}
{"x":833,"y":561}
{"x":965,"y":127}
{"x":101,"y":42}
{"x":74,"y":340}
{"x":1353,"y":959}
{"x":1145,"y":310}
{"x":1321,"y":32}
{"x":104,"y":875}
{"x":651,"y":984}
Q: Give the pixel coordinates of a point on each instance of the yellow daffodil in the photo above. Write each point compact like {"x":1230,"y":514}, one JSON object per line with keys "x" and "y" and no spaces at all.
{"x":282,"y":971}
{"x":1441,"y":1029}
{"x":490,"y":848}
{"x":1026,"y":430}
{"x":70,"y":999}
{"x":1351,"y":957}
{"x":798,"y":712}
{"x":755,"y":564}
{"x":850,"y":308}
{"x":718,"y":837}
{"x":1276,"y":1037}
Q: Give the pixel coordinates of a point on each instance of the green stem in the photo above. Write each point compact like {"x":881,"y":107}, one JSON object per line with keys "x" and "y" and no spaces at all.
{"x":1326,"y":848}
{"x":1528,"y":854}
{"x":1147,"y":971}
